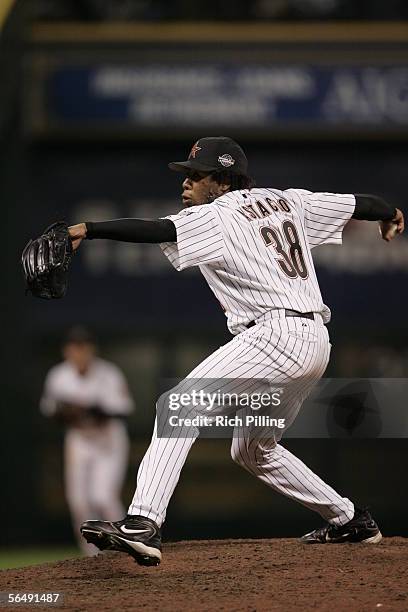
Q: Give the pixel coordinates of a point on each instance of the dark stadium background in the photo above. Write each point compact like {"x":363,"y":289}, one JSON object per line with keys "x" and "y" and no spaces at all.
{"x":56,"y":162}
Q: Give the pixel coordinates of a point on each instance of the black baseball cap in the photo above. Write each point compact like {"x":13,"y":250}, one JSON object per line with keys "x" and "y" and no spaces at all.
{"x":214,"y":153}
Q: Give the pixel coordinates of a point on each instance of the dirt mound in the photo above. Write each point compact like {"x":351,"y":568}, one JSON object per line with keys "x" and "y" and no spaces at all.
{"x":229,"y":575}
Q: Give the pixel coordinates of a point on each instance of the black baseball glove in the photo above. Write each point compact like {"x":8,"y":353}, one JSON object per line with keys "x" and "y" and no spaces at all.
{"x":46,"y":262}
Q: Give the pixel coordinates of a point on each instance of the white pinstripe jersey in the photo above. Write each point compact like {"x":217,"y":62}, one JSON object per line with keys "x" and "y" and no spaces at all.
{"x":103,"y":385}
{"x":254,"y":248}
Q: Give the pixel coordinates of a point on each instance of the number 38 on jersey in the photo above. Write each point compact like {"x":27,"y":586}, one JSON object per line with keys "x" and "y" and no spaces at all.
{"x":285,"y":241}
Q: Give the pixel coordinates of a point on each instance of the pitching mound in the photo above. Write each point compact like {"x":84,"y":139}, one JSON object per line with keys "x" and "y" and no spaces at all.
{"x":237,"y":575}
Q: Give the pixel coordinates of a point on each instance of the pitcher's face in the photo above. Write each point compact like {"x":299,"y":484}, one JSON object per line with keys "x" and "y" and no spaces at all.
{"x":200,"y":188}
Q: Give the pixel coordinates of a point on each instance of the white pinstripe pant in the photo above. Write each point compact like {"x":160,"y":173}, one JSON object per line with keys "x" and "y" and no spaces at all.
{"x":288,"y":352}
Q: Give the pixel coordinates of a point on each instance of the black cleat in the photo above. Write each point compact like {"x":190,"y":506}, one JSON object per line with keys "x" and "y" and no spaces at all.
{"x":362,"y":528}
{"x":138,"y":536}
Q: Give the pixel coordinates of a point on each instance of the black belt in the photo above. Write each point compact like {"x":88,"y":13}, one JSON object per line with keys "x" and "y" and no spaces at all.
{"x":290,"y":313}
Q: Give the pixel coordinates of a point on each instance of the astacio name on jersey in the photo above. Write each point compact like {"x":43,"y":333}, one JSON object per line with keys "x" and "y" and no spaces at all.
{"x":261,"y":209}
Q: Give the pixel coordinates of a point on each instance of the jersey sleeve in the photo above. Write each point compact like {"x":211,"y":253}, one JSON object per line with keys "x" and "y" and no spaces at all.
{"x":49,"y":398}
{"x":326,"y":215}
{"x":199,"y":238}
{"x":115,"y":397}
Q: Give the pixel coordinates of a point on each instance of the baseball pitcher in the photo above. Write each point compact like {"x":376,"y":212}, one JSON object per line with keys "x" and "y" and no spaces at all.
{"x":253,"y":246}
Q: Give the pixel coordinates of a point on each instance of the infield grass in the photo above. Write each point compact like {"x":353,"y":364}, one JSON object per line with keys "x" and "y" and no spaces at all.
{"x":21,"y":557}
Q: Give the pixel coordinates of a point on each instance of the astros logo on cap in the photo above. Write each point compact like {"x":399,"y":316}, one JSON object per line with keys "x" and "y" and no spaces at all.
{"x":194,"y":151}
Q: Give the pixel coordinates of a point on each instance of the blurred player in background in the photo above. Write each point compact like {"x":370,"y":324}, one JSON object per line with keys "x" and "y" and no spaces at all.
{"x":90,"y":397}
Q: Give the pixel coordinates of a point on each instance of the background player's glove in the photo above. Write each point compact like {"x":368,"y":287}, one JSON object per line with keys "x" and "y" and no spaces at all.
{"x":46,"y":262}
{"x":69,"y":415}
{"x":76,"y":415}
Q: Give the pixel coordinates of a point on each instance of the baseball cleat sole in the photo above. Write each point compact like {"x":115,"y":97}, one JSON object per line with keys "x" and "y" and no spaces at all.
{"x":374,"y":539}
{"x":142,"y":554}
